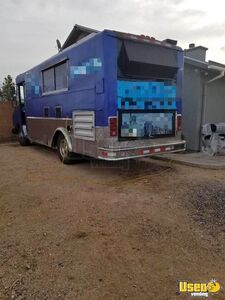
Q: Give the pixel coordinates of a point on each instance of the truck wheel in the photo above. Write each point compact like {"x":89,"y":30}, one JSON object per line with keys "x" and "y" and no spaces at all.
{"x":24,"y":141}
{"x":63,"y":150}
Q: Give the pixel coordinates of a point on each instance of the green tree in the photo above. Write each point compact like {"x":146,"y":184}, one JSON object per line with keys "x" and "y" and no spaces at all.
{"x":7,"y":92}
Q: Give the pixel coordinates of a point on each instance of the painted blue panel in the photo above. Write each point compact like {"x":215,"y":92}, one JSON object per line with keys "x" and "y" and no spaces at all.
{"x":110,"y":77}
{"x":93,"y":85}
{"x":180,"y":75}
{"x":92,"y":65}
{"x":84,"y":92}
{"x":145,"y":95}
{"x":179,"y":106}
{"x":33,"y":88}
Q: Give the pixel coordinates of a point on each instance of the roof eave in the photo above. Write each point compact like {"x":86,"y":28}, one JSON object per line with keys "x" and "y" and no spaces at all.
{"x":196,"y":62}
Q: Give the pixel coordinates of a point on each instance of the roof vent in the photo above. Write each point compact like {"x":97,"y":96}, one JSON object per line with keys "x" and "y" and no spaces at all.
{"x":170,"y":41}
{"x":192,"y":45}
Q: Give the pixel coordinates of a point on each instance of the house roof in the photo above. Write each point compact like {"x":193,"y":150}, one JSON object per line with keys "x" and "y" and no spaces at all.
{"x":77,"y":34}
{"x":202,"y":64}
{"x":195,"y":48}
{"x":214,"y":63}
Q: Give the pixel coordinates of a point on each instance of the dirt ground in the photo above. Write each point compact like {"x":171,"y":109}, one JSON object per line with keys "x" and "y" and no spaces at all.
{"x":97,"y":230}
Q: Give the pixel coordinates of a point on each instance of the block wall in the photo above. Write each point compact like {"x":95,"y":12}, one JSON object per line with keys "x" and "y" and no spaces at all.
{"x":6,"y":125}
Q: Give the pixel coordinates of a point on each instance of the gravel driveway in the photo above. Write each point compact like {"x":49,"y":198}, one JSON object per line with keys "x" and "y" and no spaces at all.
{"x":97,"y":230}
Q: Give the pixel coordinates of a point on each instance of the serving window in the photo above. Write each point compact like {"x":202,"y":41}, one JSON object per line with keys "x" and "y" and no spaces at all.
{"x":141,"y":60}
{"x":145,"y":124}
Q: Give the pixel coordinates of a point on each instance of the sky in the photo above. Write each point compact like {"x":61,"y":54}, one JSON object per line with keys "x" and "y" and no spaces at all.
{"x":29,"y":29}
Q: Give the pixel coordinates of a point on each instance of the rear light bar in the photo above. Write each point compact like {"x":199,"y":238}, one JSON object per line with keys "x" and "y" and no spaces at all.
{"x":152,"y":150}
{"x":113,"y":126}
{"x":179,"y":122}
{"x":156,"y":150}
{"x":110,"y":154}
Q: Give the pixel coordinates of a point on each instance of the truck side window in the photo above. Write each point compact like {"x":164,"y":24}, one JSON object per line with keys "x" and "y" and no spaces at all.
{"x":55,"y":78}
{"x":48,"y":80}
{"x":61,"y":76}
{"x":58,"y":111}
{"x":46,"y":111}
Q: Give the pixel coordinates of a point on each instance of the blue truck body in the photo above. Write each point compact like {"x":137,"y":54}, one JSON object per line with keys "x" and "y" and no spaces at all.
{"x":104,"y":76}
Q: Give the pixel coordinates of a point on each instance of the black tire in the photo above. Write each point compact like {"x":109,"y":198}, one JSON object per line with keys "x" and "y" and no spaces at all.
{"x":24,"y":141}
{"x":63,"y":150}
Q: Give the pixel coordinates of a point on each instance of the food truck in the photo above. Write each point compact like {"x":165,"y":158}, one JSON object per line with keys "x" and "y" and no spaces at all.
{"x":108,"y":95}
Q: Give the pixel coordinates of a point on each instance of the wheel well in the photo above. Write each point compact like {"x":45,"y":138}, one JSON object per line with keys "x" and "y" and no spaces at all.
{"x":55,"y":138}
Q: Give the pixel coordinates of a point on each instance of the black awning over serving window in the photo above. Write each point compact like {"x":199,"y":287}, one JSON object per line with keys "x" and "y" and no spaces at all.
{"x":147,"y":60}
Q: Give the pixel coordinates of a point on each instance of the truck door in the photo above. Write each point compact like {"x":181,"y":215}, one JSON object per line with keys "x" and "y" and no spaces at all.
{"x":19,"y":118}
{"x":21,"y":99}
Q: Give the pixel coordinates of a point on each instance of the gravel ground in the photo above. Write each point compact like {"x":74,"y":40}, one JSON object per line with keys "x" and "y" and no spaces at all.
{"x":106,"y":231}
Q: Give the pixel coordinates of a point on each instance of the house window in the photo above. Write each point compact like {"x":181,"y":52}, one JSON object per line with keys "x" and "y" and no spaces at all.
{"x":55,"y":78}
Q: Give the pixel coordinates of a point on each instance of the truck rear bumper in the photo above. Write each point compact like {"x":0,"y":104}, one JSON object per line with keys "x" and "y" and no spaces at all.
{"x":114,"y":154}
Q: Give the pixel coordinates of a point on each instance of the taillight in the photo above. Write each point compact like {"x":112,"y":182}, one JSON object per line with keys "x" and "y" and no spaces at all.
{"x":179,"y":122}
{"x":113,"y":126}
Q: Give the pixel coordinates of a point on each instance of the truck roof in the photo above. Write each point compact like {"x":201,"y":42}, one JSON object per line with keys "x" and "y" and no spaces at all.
{"x":80,"y":34}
